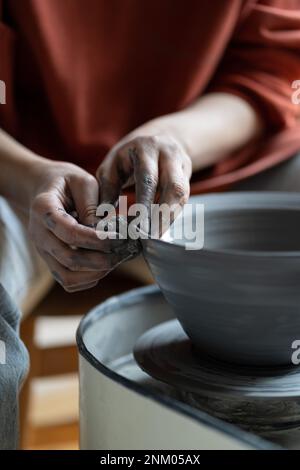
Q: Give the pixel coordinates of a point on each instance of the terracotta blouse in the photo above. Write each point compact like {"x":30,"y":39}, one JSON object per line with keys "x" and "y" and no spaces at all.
{"x":80,"y":74}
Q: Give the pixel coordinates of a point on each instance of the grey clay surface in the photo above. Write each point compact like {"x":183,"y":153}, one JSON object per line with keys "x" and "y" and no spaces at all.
{"x":262,"y":400}
{"x":238,"y":298}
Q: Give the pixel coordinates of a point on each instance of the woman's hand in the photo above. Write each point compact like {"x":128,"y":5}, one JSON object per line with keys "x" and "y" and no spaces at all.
{"x":68,"y":243}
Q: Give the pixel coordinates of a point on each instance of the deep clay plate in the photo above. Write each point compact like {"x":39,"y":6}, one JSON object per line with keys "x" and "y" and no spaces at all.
{"x":238,"y":298}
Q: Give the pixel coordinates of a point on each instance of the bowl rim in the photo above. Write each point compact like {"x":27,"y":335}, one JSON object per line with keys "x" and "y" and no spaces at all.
{"x":285,"y":200}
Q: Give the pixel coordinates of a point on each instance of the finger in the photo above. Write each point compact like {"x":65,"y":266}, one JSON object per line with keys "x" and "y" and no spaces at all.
{"x":85,"y":194}
{"x":112,"y":175}
{"x":72,"y":280}
{"x":174,"y":181}
{"x":82,"y":287}
{"x":81,"y":259}
{"x":174,"y":189}
{"x":109,"y":188}
{"x":145,"y":163}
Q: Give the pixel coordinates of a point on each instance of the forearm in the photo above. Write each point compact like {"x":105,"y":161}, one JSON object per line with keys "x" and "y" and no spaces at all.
{"x":214,"y":126}
{"x":19,"y":170}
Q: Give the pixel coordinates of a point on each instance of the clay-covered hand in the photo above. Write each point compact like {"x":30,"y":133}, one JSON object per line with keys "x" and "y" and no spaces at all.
{"x":68,"y":242}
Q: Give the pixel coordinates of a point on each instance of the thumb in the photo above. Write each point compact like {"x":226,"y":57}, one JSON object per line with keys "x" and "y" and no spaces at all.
{"x":85,"y":194}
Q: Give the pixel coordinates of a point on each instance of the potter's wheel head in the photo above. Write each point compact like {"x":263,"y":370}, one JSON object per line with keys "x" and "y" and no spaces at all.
{"x":265,"y":400}
{"x":166,"y":353}
{"x":238,"y":297}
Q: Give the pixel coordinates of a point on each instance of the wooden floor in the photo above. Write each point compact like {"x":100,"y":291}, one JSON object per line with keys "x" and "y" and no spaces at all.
{"x":53,"y":404}
{"x":54,"y":414}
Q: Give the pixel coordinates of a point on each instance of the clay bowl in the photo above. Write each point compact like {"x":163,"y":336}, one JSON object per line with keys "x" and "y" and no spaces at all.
{"x":237,"y":298}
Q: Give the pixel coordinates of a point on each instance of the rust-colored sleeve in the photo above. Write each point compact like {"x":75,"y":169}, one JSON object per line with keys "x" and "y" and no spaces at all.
{"x":263,"y":59}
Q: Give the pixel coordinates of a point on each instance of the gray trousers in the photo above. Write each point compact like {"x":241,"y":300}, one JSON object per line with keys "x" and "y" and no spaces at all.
{"x":13,"y":368}
{"x":16,"y":262}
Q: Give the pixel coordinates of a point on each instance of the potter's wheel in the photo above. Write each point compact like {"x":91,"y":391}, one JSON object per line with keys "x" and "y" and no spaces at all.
{"x":263,"y":400}
{"x":161,"y":405}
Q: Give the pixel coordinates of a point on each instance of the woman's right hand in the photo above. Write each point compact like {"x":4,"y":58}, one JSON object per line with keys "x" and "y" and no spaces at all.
{"x":68,"y":244}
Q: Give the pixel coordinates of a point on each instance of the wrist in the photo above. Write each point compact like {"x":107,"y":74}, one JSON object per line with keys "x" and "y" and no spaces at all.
{"x":172,"y":125}
{"x":24,"y":179}
{"x":21,"y":171}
